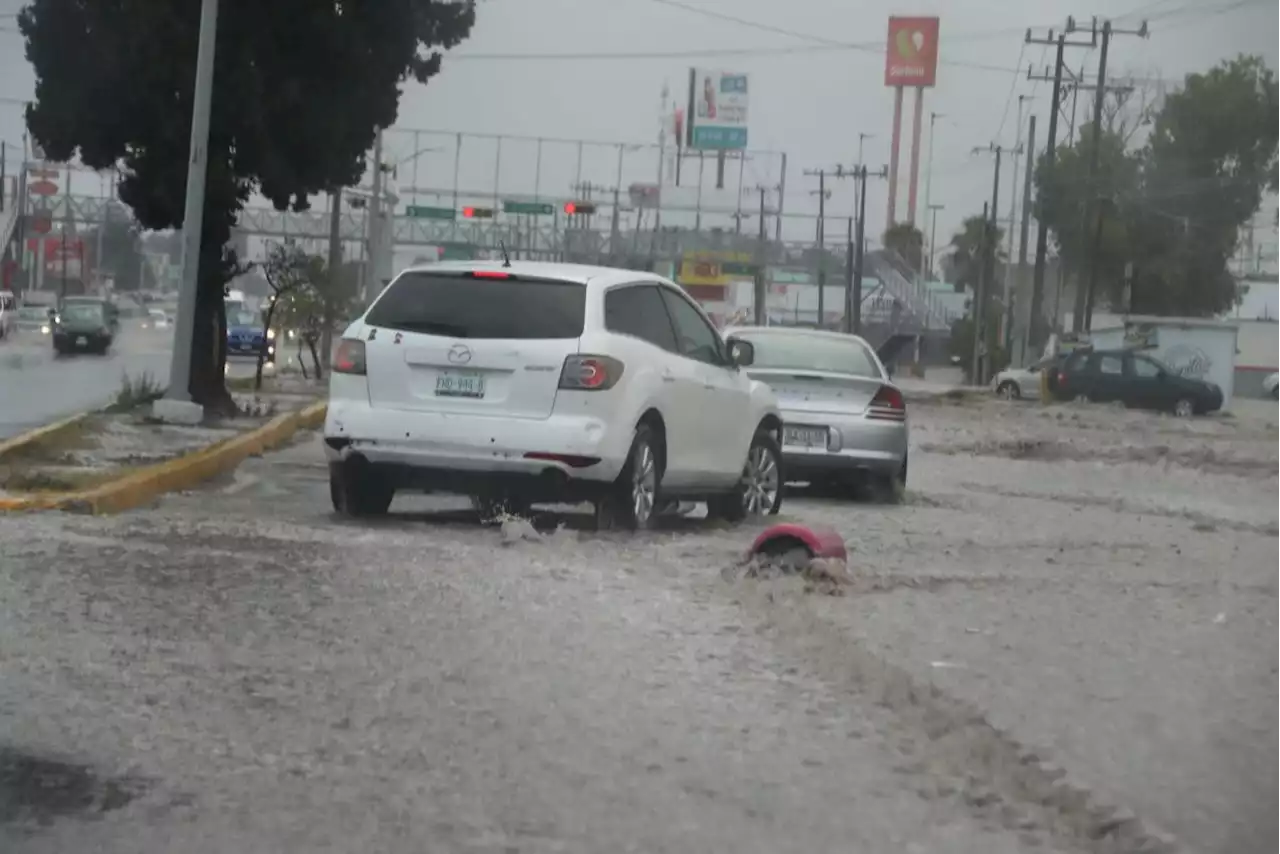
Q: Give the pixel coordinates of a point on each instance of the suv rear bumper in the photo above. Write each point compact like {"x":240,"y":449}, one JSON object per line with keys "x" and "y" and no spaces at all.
{"x":470,"y":453}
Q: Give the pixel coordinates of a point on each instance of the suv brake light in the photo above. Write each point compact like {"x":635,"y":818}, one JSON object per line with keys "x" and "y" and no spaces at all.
{"x":350,"y":357}
{"x":887,"y":405}
{"x":585,"y":372}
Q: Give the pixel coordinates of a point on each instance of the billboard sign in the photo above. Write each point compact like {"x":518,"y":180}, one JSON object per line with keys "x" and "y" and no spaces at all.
{"x":912,"y":55}
{"x":717,"y":116}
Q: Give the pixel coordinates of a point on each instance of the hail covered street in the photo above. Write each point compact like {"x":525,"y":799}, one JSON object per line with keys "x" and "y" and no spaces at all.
{"x":1063,"y":640}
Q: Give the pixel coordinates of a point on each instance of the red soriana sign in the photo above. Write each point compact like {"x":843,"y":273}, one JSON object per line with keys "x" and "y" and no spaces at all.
{"x":912,"y":55}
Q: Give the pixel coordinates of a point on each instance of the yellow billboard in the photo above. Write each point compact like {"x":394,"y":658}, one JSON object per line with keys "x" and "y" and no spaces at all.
{"x":715,"y":268}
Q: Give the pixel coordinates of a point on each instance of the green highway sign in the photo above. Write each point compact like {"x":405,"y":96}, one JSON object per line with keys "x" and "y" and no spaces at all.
{"x":530,"y":208}
{"x":419,"y":212}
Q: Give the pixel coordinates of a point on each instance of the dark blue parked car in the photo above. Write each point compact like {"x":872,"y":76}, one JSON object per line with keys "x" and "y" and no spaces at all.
{"x":246,"y":337}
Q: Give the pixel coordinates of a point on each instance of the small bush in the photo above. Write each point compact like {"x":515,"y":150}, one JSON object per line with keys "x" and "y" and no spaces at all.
{"x":136,"y":391}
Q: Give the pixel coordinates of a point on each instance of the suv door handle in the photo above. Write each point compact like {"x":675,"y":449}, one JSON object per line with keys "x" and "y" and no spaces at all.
{"x":668,"y":376}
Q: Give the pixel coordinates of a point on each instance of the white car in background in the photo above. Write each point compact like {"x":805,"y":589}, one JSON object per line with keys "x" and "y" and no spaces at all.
{"x":530,"y":382}
{"x":157,"y":319}
{"x":1021,"y":383}
{"x":1271,"y":385}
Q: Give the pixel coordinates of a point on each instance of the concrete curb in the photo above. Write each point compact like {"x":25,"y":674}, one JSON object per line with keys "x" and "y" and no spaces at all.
{"x":184,"y":472}
{"x":31,"y":437}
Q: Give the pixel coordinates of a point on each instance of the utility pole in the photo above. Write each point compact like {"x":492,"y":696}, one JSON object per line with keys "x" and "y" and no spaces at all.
{"x":1082,"y":317}
{"x":375,"y":223}
{"x":178,"y":395}
{"x":853,"y":312}
{"x":1025,"y":319}
{"x":822,"y":194}
{"x":1042,"y":233}
{"x":840,"y":173}
{"x":759,"y":293}
{"x":1006,"y":317}
{"x":987,"y":267}
{"x":335,"y":263}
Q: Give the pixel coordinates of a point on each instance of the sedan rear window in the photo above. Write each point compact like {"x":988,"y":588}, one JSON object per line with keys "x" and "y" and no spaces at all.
{"x":465,"y":307}
{"x":800,"y":352}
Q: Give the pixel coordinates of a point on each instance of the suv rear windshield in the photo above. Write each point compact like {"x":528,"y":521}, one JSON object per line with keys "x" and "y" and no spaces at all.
{"x":465,"y":307}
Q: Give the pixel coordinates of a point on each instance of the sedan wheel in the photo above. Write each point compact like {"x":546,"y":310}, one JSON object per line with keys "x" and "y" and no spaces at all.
{"x":1009,"y":391}
{"x":1184,"y":408}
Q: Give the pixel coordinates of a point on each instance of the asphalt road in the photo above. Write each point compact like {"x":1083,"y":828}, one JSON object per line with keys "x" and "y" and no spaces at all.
{"x":37,"y":387}
{"x":262,"y":679}
{"x":1068,"y":594}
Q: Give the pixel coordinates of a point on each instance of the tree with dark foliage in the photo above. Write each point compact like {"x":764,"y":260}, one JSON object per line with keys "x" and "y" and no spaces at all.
{"x":299,"y":88}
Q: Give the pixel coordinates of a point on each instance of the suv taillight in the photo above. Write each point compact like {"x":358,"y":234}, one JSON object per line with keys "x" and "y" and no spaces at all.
{"x":350,"y":357}
{"x":585,"y":372}
{"x":887,"y":405}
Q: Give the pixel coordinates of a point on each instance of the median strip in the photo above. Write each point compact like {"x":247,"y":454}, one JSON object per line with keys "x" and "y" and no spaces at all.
{"x":102,"y":462}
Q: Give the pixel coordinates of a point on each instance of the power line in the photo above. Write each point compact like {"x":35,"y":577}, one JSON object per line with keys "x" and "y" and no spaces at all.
{"x":1013,"y":85}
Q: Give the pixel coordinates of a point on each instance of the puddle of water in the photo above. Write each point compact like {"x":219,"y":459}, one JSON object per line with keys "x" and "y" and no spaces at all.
{"x":37,"y":789}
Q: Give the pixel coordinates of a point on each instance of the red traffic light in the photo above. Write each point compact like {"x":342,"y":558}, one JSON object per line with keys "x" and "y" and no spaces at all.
{"x":572,"y":208}
{"x":477,"y":213}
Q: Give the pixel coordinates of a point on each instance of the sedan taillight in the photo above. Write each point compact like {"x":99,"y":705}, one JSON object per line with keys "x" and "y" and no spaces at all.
{"x":887,"y":405}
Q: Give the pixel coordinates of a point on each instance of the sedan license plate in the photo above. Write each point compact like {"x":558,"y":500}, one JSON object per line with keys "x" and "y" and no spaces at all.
{"x":81,"y":341}
{"x":805,"y":437}
{"x":460,"y":384}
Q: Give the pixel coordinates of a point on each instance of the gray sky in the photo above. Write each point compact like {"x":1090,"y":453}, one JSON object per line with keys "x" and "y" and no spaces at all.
{"x":807,"y":98}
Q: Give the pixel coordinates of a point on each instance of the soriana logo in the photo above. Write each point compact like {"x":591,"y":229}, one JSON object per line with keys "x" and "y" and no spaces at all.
{"x":912,"y":55}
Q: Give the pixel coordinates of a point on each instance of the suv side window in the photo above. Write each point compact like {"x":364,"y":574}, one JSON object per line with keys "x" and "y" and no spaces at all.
{"x":1111,"y":365}
{"x":637,"y":310}
{"x":696,"y":338}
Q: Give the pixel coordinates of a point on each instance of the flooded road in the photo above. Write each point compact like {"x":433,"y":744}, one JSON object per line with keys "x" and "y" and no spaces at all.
{"x":1042,"y":634}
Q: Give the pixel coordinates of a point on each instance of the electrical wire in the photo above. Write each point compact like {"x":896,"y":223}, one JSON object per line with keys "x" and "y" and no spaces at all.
{"x":1013,"y":86}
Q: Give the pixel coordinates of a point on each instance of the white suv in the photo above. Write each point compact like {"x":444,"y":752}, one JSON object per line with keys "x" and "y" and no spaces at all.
{"x":536,"y":382}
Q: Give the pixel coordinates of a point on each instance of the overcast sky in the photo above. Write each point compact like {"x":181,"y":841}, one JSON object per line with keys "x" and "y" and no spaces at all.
{"x":808,"y":98}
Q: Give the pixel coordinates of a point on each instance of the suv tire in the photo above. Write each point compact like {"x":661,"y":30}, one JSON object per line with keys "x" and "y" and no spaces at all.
{"x":357,"y":492}
{"x":635,"y":498}
{"x":759,"y":491}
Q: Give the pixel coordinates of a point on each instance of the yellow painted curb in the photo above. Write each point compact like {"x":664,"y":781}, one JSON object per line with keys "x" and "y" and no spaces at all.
{"x":30,"y":437}
{"x":139,"y":487}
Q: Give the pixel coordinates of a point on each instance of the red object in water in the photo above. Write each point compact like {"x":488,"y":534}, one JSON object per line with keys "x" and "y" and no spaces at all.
{"x":819,"y":542}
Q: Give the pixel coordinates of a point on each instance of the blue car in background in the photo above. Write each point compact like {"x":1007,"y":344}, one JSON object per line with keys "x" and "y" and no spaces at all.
{"x":246,"y":336}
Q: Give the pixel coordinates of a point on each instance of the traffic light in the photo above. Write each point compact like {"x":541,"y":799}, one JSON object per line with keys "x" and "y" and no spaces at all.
{"x":477,"y":213}
{"x":572,"y":208}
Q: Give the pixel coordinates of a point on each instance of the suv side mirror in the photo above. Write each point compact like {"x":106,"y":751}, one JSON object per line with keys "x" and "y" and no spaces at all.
{"x":741,"y":353}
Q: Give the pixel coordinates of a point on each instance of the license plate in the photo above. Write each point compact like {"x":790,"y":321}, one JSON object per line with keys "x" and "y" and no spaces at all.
{"x":805,"y":437}
{"x":81,"y":341}
{"x":459,"y":384}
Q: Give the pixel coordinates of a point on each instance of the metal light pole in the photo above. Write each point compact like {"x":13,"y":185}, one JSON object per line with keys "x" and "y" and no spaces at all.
{"x":193,"y":215}
{"x":933,"y":235}
{"x":928,"y":190}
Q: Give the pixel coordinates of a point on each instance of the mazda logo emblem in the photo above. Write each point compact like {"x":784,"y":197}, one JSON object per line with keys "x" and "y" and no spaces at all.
{"x":459,"y":354}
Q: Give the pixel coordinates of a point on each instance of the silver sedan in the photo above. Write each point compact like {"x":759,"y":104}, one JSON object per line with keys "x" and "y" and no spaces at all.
{"x":844,"y":421}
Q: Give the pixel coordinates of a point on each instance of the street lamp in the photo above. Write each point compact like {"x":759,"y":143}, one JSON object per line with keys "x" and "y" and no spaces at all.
{"x":933,"y":234}
{"x":177,"y":404}
{"x":928,"y":179}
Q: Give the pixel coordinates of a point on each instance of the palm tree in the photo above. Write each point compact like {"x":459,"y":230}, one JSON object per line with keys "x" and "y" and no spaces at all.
{"x":966,"y":252}
{"x":908,"y":241}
